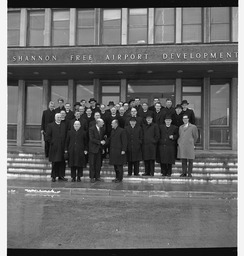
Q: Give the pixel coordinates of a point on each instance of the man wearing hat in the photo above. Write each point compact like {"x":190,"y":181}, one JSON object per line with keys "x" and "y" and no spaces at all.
{"x":149,"y":144}
{"x":177,"y":116}
{"x":93,"y":106}
{"x":144,"y":111}
{"x":187,"y":111}
{"x":69,"y":112}
{"x":76,"y":106}
{"x":110,"y":105}
{"x":167,"y":146}
{"x":168,"y":110}
{"x":134,"y":153}
{"x":133,"y":113}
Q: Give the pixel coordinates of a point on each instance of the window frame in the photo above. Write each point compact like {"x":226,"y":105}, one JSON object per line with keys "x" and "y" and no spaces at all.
{"x":11,"y":29}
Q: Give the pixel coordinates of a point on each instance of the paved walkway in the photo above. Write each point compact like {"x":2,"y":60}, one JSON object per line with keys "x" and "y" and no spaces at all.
{"x":138,"y":189}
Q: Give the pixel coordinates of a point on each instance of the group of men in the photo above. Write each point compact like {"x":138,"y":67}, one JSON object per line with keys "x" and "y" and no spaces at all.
{"x":126,"y":133}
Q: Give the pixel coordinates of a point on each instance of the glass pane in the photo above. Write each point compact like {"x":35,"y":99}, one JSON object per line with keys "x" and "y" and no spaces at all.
{"x":85,"y":36}
{"x":220,"y":32}
{"x":164,"y":16}
{"x":12,"y":132}
{"x":13,"y":37}
{"x":86,"y":18}
{"x":36,"y":38}
{"x":60,"y":15}
{"x":164,"y":34}
{"x":60,"y":37}
{"x":36,"y":20}
{"x":34,"y":103}
{"x":84,"y":91}
{"x":220,"y":105}
{"x":12,"y":104}
{"x":195,"y":103}
{"x":192,"y":16}
{"x":191,"y":89}
{"x":33,"y":132}
{"x":138,"y":17}
{"x":60,"y":30}
{"x":220,"y":14}
{"x":192,"y":33}
{"x":150,"y":89}
{"x":13,"y":20}
{"x":219,"y":136}
{"x":111,"y":36}
{"x":137,"y":35}
{"x":59,"y":91}
{"x":106,"y":99}
{"x":111,"y":18}
{"x":111,"y":89}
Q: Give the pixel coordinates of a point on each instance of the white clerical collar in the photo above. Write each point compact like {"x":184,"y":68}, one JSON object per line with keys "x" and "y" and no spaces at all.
{"x":186,"y":125}
{"x":57,"y":122}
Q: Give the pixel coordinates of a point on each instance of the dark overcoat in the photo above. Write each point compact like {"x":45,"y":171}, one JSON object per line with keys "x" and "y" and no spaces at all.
{"x":177,"y":119}
{"x":47,"y":118}
{"x":158,"y":118}
{"x":190,"y":113}
{"x":95,"y":139}
{"x":83,"y":124}
{"x":76,"y":144}
{"x":56,"y":135}
{"x":150,"y":140}
{"x":138,"y":121}
{"x":118,"y":143}
{"x":143,"y":115}
{"x":134,"y":140}
{"x":167,"y":146}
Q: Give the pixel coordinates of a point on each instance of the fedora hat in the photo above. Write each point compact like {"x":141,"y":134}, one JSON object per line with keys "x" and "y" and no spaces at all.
{"x":111,"y":103}
{"x":91,"y":99}
{"x":184,"y":102}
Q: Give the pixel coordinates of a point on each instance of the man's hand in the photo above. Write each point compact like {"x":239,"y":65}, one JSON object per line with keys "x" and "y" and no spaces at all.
{"x":103,"y":142}
{"x":85,"y":152}
{"x":171,"y":137}
{"x":122,"y":152}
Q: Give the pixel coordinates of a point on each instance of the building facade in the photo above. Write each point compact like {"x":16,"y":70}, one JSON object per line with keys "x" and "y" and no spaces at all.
{"x":118,"y":54}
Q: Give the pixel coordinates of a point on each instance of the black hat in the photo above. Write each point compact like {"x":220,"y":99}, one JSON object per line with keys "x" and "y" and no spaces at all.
{"x":133,"y":119}
{"x":149,"y":115}
{"x":131,"y":100}
{"x":184,"y":102}
{"x":168,"y":117}
{"x":110,"y":103}
{"x":178,"y":106}
{"x":92,"y":99}
{"x":77,"y":103}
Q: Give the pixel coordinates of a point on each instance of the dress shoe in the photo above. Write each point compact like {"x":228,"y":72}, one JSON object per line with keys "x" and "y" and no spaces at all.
{"x":73,"y":180}
{"x":163,"y":175}
{"x":93,"y":180}
{"x":145,"y":174}
{"x":53,"y":179}
{"x":152,"y":174}
{"x":78,"y":179}
{"x":129,"y":174}
{"x":183,"y":175}
{"x":99,"y":179}
{"x":169,"y":175}
{"x":114,"y":180}
{"x":189,"y":175}
{"x":118,"y":181}
{"x":137,"y":174}
{"x":62,"y":178}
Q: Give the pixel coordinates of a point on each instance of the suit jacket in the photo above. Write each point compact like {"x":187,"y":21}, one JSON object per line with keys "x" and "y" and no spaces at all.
{"x":47,"y":118}
{"x":95,"y":139}
{"x":118,"y":143}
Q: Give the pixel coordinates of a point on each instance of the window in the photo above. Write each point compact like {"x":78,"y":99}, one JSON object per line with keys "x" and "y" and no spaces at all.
{"x":111,"y":23}
{"x":13,"y":28}
{"x":137,"y":26}
{"x":84,"y":90}
{"x":60,"y":28}
{"x":110,"y":91}
{"x":220,"y":24}
{"x":34,"y":92}
{"x":59,"y":89}
{"x":192,"y":25}
{"x":36,"y":23}
{"x":220,"y":113}
{"x":164,"y":25}
{"x":86,"y":27}
{"x":12,"y":110}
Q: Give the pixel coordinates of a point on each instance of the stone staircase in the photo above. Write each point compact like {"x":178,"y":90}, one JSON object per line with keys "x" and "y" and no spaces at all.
{"x":207,"y":167}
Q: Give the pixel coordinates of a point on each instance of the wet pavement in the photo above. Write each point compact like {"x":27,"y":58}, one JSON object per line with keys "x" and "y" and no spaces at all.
{"x":49,"y":215}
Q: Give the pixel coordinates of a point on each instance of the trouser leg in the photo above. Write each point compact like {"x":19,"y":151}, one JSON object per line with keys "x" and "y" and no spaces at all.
{"x":80,"y":172}
{"x":47,"y":146}
{"x":152,"y":167}
{"x":184,"y":166}
{"x":190,"y":166}
{"x":120,"y":172}
{"x":73,"y":171}
{"x":55,"y":170}
{"x":163,"y":169}
{"x":92,"y":160}
{"x":116,"y":172}
{"x":136,"y":167}
{"x":130,"y":168}
{"x":169,"y":169}
{"x":62,"y":168}
{"x":98,"y":164}
{"x":147,"y":170}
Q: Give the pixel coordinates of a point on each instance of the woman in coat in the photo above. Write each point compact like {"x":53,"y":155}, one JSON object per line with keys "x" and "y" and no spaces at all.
{"x":76,"y":147}
{"x":134,"y":153}
{"x":149,"y":144}
{"x":188,"y":135}
{"x":167,"y":146}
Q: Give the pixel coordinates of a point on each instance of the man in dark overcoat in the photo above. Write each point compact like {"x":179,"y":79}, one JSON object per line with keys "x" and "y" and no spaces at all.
{"x":96,"y":143}
{"x":144,"y":112}
{"x":133,"y":113}
{"x":188,"y":112}
{"x":76,"y":148}
{"x":69,"y":112}
{"x":149,"y":144}
{"x":117,"y":149}
{"x":134,"y":140}
{"x":83,"y":122}
{"x":60,"y":106}
{"x":47,"y":118}
{"x":167,"y":146}
{"x":158,"y":115}
{"x":56,"y":135}
{"x":177,"y":117}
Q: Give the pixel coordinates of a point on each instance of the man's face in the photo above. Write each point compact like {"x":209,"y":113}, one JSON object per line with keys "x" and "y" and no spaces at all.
{"x":132,"y":104}
{"x":92,"y":103}
{"x":168,"y":122}
{"x":126,"y":106}
{"x":178,"y":110}
{"x":144,"y":107}
{"x":63,"y":114}
{"x":113,"y":110}
{"x":185,"y":119}
{"x":114,"y":124}
{"x":51,"y":106}
{"x":149,"y":120}
{"x":155,"y":101}
{"x":58,"y":118}
{"x":97,"y":116}
{"x":102,"y":108}
{"x":117,"y":106}
{"x":81,"y":109}
{"x":60,"y":103}
{"x":132,"y":123}
{"x":88,"y":112}
{"x":137,"y":102}
{"x":121,"y":111}
{"x":157,"y":107}
{"x":76,"y":125}
{"x":67,"y":107}
{"x":168,"y":103}
{"x":77,"y":114}
{"x":100,"y":123}
{"x":133,"y":112}
{"x":184,"y":106}
{"x":83,"y":103}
